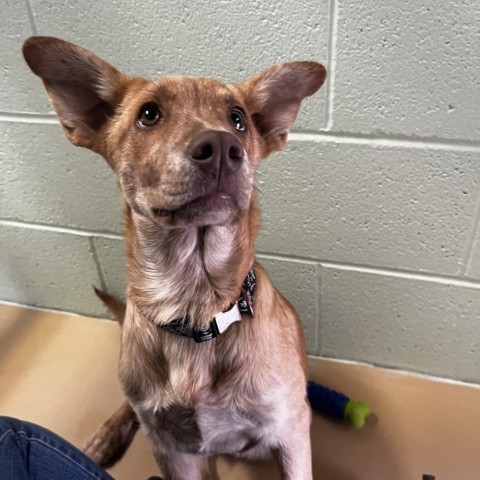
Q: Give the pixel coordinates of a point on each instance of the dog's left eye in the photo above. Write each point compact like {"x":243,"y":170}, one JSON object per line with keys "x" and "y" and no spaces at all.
{"x":238,"y":119}
{"x":149,"y":115}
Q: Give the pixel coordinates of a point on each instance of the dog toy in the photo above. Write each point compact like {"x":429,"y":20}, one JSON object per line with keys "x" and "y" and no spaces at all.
{"x":337,"y":405}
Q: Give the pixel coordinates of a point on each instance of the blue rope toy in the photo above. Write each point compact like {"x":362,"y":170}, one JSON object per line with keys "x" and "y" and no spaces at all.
{"x":337,"y":405}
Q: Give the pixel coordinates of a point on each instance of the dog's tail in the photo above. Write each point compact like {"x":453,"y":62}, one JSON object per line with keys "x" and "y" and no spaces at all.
{"x":117,"y":307}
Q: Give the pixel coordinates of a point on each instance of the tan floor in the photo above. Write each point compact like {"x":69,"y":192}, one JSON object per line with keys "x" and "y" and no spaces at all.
{"x":60,"y":371}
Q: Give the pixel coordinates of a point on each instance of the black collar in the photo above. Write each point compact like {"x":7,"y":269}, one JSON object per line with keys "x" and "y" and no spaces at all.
{"x":221,"y":321}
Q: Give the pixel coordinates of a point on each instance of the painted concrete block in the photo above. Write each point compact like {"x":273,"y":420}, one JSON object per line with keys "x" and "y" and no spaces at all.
{"x":48,"y":269}
{"x":412,"y":323}
{"x":112,"y":259}
{"x":408,"y":68}
{"x":229,"y":40}
{"x":407,"y":208}
{"x":47,"y":180}
{"x":298,"y":282}
{"x":20,"y":91}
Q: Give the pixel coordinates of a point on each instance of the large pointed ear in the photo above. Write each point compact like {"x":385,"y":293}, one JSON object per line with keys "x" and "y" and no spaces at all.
{"x":273,"y":98}
{"x":83,"y":88}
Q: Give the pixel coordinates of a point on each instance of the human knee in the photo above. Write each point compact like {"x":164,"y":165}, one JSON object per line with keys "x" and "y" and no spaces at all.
{"x":9,"y":423}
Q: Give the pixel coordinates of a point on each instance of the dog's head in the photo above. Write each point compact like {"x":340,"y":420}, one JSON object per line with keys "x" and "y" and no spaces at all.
{"x":184,"y":149}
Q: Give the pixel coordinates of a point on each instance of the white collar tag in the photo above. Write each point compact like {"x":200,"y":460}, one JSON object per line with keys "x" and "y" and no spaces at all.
{"x":224,"y":319}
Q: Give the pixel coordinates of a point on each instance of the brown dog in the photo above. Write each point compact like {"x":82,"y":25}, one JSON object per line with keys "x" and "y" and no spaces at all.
{"x":213,"y":357}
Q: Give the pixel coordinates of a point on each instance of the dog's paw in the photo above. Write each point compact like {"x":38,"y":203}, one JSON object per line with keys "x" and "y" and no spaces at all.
{"x":113,"y":438}
{"x":105,"y":447}
{"x":102,"y":448}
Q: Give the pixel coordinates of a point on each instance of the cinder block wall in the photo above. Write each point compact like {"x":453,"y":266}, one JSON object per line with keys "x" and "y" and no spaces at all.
{"x":370,"y":216}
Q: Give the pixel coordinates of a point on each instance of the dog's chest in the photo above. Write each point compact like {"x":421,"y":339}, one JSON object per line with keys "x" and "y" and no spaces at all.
{"x":205,"y":429}
{"x":210,"y":400}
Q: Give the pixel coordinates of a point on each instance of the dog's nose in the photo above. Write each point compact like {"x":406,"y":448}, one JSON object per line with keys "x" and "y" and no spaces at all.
{"x":213,"y":150}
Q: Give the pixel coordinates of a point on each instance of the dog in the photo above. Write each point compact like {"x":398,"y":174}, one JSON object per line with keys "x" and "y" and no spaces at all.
{"x":213,"y":358}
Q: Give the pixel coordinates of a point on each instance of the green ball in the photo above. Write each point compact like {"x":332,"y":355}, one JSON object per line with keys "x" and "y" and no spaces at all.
{"x":356,"y":413}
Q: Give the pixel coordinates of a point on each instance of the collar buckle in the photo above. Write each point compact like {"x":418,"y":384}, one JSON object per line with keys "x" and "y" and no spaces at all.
{"x":223,"y":320}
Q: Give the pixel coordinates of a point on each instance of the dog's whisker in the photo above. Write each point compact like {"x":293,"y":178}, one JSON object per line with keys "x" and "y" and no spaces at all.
{"x":257,"y":189}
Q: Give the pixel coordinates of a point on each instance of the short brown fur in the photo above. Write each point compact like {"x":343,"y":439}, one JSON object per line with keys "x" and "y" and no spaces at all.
{"x":191,"y":218}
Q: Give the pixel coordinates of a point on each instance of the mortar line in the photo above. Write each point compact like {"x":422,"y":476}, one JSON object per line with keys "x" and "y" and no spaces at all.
{"x":396,"y":272}
{"x":31,"y":17}
{"x":310,"y":136}
{"x":284,"y":256}
{"x":424,"y":277}
{"x":387,"y":140}
{"x":318,"y":326}
{"x":98,"y":264}
{"x":331,"y":63}
{"x":387,"y":271}
{"x":57,"y":229}
{"x":465,"y":262}
{"x":39,"y":118}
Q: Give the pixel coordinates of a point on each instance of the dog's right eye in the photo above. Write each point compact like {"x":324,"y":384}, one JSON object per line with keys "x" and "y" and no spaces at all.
{"x":149,"y":115}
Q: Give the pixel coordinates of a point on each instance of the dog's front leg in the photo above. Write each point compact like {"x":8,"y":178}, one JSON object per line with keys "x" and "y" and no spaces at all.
{"x":114,"y":436}
{"x":294,"y":454}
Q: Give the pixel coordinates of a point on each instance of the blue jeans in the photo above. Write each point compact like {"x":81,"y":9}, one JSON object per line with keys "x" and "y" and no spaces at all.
{"x":28,"y":452}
